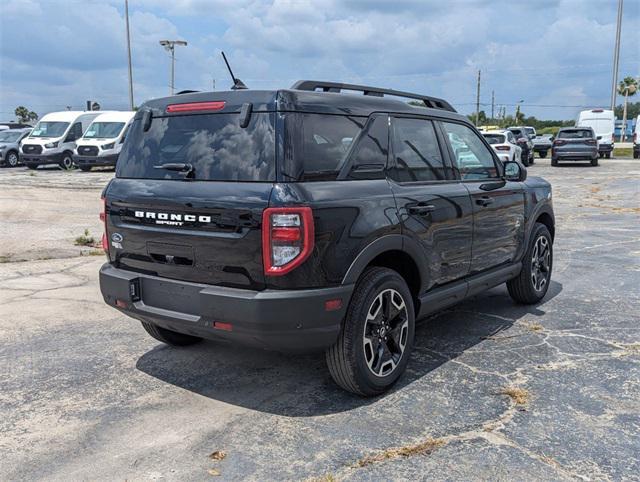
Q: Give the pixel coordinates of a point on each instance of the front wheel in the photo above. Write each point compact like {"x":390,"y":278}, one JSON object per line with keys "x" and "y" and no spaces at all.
{"x":376,"y":339}
{"x":554,"y":162}
{"x":543,"y":154}
{"x":532,"y":283}
{"x":67,"y":161}
{"x":594,"y":162}
{"x":12,"y":159}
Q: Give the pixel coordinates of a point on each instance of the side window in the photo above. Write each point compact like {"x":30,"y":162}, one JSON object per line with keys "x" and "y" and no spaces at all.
{"x":74,"y":133}
{"x":124,"y":134}
{"x":369,"y":156}
{"x":472,"y":158}
{"x":416,"y":151}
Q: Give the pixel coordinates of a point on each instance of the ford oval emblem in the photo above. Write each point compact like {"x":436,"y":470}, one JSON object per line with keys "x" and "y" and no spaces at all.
{"x":116,"y":237}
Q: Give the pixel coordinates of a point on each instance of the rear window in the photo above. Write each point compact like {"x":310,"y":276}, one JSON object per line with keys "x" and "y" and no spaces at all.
{"x":494,"y":138}
{"x":214,"y":144}
{"x":576,"y":134}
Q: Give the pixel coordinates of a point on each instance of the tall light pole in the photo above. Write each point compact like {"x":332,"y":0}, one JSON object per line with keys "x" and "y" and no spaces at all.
{"x":616,"y":57}
{"x":518,"y":110}
{"x":170,"y":46}
{"x":126,"y":15}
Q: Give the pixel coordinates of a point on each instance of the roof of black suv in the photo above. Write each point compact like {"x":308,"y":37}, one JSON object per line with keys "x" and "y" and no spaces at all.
{"x":304,"y":97}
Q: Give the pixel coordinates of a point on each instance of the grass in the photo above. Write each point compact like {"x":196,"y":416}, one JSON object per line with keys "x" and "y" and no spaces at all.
{"x":519,"y":395}
{"x":423,"y":448}
{"x":623,"y":152}
{"x":4,"y":259}
{"x":85,"y":239}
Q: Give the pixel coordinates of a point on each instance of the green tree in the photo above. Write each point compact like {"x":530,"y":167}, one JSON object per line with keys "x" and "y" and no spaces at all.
{"x":633,"y":110}
{"x":627,"y":87}
{"x":25,"y":115}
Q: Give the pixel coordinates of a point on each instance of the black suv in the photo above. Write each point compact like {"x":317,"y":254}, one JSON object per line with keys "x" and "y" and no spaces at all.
{"x":323,"y":217}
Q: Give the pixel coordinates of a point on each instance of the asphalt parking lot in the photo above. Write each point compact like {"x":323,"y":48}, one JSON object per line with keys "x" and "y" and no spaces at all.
{"x":494,"y":390}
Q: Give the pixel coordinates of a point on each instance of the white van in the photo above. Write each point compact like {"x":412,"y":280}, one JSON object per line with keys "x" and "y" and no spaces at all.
{"x":53,"y":139}
{"x":602,"y":121}
{"x":636,"y":139}
{"x":102,"y":141}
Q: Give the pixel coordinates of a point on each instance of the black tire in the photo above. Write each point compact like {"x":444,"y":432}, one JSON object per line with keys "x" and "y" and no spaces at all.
{"x":601,"y":154}
{"x":12,"y":159}
{"x":169,"y":337}
{"x":66,"y":163}
{"x":554,"y":162}
{"x":353,"y":359}
{"x":608,"y":155}
{"x":525,"y":288}
{"x":85,"y":168}
{"x":594,"y":162}
{"x":543,"y":154}
{"x":636,"y":155}
{"x":32,"y":166}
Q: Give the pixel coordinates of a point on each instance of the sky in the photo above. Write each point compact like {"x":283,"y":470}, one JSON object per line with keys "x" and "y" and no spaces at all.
{"x":554,"y":55}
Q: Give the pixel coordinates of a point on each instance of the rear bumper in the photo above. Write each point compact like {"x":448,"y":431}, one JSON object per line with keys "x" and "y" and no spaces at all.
{"x":42,"y":159}
{"x":91,"y":161}
{"x":575,"y":155}
{"x":283,"y":320}
{"x":605,"y":148}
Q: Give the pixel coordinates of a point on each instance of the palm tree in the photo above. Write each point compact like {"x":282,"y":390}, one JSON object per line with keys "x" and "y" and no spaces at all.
{"x":627,"y":87}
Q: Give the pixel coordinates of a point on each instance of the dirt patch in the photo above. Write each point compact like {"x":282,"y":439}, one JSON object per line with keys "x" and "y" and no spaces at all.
{"x":519,"y":395}
{"x":422,"y":448}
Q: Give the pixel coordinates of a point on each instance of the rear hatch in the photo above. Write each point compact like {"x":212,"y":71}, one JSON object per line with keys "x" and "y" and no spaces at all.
{"x":190,"y":189}
{"x":576,"y":140}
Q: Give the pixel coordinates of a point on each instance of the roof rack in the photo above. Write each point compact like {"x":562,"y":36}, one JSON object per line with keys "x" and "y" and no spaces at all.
{"x":314,"y":85}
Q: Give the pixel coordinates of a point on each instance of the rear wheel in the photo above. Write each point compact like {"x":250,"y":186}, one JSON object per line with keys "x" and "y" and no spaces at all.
{"x":12,"y":159}
{"x":554,"y":162}
{"x":169,"y":337}
{"x":85,"y":168}
{"x":543,"y":154}
{"x":67,"y":161}
{"x":636,"y":154}
{"x":594,"y":162}
{"x":608,"y":155}
{"x":376,"y":339}
{"x":532,"y":283}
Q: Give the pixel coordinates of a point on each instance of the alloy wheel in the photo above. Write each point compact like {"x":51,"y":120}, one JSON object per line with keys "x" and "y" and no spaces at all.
{"x":540,"y":263}
{"x":386,"y":330}
{"x":12,"y":159}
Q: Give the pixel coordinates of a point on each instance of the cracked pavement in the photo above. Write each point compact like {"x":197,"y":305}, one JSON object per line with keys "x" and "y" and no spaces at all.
{"x":86,"y":394}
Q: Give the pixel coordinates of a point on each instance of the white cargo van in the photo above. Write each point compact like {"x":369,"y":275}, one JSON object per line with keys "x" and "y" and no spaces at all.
{"x":102,"y":141}
{"x":636,"y":139}
{"x":602,"y":121}
{"x":53,"y":139}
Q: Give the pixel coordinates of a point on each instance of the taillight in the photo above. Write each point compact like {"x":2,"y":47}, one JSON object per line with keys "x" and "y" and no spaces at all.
{"x":287,"y":238}
{"x":502,"y":148}
{"x":635,"y":137}
{"x":558,"y":143}
{"x":103,"y":218}
{"x":591,"y":142}
{"x":196,"y":106}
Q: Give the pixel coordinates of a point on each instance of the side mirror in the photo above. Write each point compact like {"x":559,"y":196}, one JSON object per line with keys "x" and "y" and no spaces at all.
{"x":514,"y":171}
{"x":599,"y":137}
{"x":552,"y":138}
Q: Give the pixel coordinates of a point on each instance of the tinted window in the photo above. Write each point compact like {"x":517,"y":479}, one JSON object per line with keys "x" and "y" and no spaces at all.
{"x":473,"y":158}
{"x":368,"y":158}
{"x":214,"y":144}
{"x":74,"y":133}
{"x":494,"y":138}
{"x":317,"y":146}
{"x":416,"y":151}
{"x":576,"y":134}
{"x":529,"y":131}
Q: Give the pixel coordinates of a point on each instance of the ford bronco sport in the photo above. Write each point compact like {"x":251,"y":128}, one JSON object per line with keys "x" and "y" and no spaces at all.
{"x":323,"y":217}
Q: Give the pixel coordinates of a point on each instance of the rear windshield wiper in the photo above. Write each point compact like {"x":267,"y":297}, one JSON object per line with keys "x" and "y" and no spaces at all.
{"x":188,"y":169}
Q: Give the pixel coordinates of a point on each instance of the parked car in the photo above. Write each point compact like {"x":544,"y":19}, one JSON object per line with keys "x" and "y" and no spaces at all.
{"x":54,"y":137}
{"x":636,"y":139}
{"x":531,"y":131}
{"x":308,"y":219}
{"x":575,"y":144}
{"x":505,"y":145}
{"x":542,"y":144}
{"x":13,"y":125}
{"x":10,"y":146}
{"x":525,"y":143}
{"x":602,"y":122}
{"x":102,"y":141}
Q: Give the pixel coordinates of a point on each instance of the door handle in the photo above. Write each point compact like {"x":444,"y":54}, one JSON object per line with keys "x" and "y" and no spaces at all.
{"x":484,"y":201}
{"x":421,"y":209}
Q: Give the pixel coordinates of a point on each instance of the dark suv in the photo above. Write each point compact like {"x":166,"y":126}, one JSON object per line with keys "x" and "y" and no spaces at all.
{"x":313,"y":219}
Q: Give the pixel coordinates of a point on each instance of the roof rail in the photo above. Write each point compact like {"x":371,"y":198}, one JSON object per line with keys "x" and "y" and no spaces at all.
{"x":314,"y":85}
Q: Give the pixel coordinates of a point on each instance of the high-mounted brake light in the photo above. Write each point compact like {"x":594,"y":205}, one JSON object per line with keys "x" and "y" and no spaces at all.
{"x":597,"y":110}
{"x":287,"y":238}
{"x":103,"y":218}
{"x":195,"y":106}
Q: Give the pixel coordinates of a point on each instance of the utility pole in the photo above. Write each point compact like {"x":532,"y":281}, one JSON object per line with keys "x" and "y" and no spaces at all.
{"x":616,"y":57}
{"x":170,"y":46}
{"x":478,"y":100}
{"x":126,"y":15}
{"x":493,"y":103}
